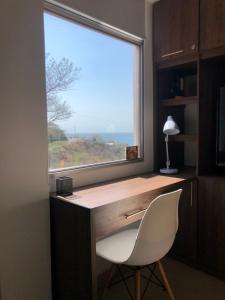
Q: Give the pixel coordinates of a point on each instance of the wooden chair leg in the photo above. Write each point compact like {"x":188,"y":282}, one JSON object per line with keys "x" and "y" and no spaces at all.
{"x":138,"y":284}
{"x":108,"y":281}
{"x":165,"y":280}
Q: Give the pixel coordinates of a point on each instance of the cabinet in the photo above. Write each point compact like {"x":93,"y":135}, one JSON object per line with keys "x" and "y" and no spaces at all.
{"x":185,"y":245}
{"x":212,"y":223}
{"x":186,"y":86}
{"x":212,"y":24}
{"x":175,"y":28}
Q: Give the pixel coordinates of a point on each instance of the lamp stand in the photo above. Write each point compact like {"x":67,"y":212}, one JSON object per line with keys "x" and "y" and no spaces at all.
{"x":168,"y":170}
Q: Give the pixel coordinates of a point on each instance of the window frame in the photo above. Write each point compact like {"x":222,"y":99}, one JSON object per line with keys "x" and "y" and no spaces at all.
{"x":73,"y":15}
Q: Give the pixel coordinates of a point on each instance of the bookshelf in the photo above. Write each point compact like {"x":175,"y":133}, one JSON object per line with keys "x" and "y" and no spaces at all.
{"x":176,"y":94}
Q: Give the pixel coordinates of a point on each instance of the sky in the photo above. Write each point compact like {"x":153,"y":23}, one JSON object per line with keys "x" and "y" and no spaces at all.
{"x":102,"y":98}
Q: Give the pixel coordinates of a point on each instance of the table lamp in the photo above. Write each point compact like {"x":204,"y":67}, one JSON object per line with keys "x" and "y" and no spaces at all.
{"x":170,"y":128}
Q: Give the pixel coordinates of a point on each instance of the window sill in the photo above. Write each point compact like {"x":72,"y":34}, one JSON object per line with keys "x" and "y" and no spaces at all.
{"x":96,"y":166}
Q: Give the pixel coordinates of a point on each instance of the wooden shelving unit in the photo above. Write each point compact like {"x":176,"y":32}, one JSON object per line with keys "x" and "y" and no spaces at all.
{"x":199,"y":71}
{"x":179,"y":101}
{"x":183,"y":138}
{"x":183,"y":148}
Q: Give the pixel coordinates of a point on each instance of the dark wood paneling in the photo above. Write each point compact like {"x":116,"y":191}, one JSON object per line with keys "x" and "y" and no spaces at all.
{"x":175,"y":25}
{"x":176,"y":28}
{"x":212,"y":77}
{"x":206,"y":118}
{"x":212,"y":24}
{"x":112,"y":217}
{"x":180,"y":101}
{"x":71,"y":244}
{"x":185,"y":245}
{"x":177,"y":61}
{"x":212,"y":223}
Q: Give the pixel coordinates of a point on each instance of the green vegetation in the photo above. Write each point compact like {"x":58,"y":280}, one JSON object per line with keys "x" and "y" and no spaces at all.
{"x":76,"y":152}
{"x":55,"y":133}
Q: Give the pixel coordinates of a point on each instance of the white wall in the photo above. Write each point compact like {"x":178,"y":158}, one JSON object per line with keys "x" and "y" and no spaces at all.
{"x":125,"y":14}
{"x":24,"y":209}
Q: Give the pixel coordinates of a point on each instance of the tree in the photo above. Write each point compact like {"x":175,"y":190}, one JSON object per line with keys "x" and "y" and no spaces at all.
{"x":55,"y":133}
{"x":59,"y":78}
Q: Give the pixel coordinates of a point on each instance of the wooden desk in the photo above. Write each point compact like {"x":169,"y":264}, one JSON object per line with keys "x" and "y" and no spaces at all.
{"x":91,"y":213}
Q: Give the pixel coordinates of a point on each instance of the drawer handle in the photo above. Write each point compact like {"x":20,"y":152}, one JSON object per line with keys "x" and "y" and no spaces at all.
{"x":191,"y":200}
{"x":172,"y":53}
{"x":134,"y":213}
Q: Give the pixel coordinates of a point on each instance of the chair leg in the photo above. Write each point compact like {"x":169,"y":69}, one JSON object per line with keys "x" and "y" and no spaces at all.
{"x":165,"y":280}
{"x":138,"y":284}
{"x":108,"y":281}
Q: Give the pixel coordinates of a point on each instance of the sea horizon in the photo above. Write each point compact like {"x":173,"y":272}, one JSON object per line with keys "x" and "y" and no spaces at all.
{"x":116,"y":137}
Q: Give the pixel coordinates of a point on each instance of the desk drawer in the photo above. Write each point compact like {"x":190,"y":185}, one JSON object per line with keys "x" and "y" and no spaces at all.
{"x":112,"y":217}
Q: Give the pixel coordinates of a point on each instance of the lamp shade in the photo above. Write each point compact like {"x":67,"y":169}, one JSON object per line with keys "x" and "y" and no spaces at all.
{"x":171,"y":127}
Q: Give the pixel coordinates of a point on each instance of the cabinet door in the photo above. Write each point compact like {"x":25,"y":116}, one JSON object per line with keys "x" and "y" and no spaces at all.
{"x":212,"y":223}
{"x":175,"y":28}
{"x":212,"y":24}
{"x":185,"y":245}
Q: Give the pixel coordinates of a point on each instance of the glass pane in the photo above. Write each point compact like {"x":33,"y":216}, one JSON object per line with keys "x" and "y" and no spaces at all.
{"x":92,"y":87}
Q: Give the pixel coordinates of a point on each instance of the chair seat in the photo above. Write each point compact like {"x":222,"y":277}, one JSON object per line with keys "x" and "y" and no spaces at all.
{"x":117,"y":248}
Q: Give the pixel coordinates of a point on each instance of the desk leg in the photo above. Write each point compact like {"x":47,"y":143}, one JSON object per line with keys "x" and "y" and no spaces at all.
{"x":72,"y":252}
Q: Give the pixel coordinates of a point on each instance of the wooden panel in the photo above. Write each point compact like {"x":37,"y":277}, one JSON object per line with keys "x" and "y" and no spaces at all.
{"x":212,"y":223}
{"x":177,"y":61}
{"x":175,"y":28}
{"x":161,"y":37}
{"x":189,"y":29}
{"x":212,"y":24}
{"x":72,"y":252}
{"x":112,"y":217}
{"x":180,"y":101}
{"x":183,"y":138}
{"x":206,"y":117}
{"x":213,"y":53}
{"x":185,"y":245}
{"x":211,"y":79}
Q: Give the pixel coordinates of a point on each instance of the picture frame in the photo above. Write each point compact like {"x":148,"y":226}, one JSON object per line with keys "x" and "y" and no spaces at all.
{"x":131,"y":152}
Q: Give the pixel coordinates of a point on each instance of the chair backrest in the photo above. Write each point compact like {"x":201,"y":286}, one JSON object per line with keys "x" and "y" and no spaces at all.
{"x":157,"y":230}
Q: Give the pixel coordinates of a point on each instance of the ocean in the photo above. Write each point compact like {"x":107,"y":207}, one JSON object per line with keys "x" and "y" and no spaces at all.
{"x":119,"y":137}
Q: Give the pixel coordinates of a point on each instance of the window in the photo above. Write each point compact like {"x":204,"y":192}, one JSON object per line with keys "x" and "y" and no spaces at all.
{"x":93,"y":92}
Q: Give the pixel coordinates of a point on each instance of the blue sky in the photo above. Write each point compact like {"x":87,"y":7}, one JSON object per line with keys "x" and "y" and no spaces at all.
{"x":102,"y":98}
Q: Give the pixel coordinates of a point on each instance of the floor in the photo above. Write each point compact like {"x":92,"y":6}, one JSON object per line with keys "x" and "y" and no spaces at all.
{"x":187,"y":284}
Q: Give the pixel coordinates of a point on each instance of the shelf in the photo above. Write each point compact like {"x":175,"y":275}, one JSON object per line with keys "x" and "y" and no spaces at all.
{"x":187,"y":172}
{"x":179,"y":101}
{"x":183,"y":138}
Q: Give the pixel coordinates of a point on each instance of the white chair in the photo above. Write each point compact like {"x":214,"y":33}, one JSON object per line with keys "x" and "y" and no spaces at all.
{"x":147,"y":244}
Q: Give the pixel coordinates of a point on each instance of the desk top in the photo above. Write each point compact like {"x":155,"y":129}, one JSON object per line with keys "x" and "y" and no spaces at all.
{"x":98,"y":195}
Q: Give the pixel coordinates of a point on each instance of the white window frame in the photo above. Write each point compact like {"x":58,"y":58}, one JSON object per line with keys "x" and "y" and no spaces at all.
{"x":68,"y":13}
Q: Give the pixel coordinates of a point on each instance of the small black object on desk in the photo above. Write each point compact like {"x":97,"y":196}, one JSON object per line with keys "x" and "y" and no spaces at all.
{"x":64,"y":186}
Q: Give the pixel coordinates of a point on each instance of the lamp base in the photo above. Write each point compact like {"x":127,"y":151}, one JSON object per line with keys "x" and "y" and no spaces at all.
{"x":168,"y":171}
